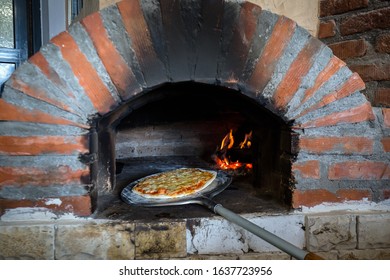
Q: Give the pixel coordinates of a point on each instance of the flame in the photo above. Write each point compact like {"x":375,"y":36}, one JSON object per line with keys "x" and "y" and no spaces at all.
{"x":221,"y":158}
{"x":228,"y":141}
{"x":225,"y":164}
{"x":247,"y":141}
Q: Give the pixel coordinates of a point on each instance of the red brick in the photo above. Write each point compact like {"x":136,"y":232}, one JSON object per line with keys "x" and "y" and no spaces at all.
{"x":22,"y":176}
{"x":334,"y":7}
{"x":243,"y":32}
{"x":383,"y":43}
{"x":120,"y":73}
{"x":349,"y":49}
{"x":78,"y":205}
{"x":10,"y":112}
{"x":354,"y":194}
{"x":354,"y":115}
{"x":382,"y":97}
{"x":376,"y":19}
{"x":386,"y":117}
{"x":345,"y":145}
{"x":40,"y":93}
{"x":353,"y":84}
{"x":363,"y":170}
{"x":141,"y":40}
{"x":331,"y":68}
{"x":36,"y":145}
{"x":310,"y":198}
{"x":372,"y":72}
{"x":40,"y":61}
{"x":386,"y":194}
{"x":386,"y":144}
{"x":297,"y":71}
{"x":308,"y":169}
{"x":249,"y":14}
{"x":327,"y":29}
{"x":278,"y":41}
{"x":85,"y":73}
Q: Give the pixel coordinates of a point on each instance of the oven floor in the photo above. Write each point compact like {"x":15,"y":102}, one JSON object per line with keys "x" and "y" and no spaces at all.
{"x":239,"y":197}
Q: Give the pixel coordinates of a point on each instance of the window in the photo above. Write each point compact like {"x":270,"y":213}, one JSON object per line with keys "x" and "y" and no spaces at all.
{"x":74,"y":9}
{"x":20,"y":34}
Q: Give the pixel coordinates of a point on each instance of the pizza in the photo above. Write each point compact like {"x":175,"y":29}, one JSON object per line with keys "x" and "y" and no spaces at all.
{"x":175,"y":183}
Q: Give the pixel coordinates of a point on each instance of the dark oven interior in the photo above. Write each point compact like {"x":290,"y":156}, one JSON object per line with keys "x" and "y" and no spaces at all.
{"x":184,"y":125}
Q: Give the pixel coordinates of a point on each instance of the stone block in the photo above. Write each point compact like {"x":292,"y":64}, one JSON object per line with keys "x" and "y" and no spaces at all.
{"x":95,"y":241}
{"x":213,"y":237}
{"x":30,"y":242}
{"x":289,"y":228}
{"x":374,"y":254}
{"x":265,"y":256}
{"x":330,"y":255}
{"x":373,"y":231}
{"x":212,"y":257}
{"x":160,"y":240}
{"x":325,"y":233}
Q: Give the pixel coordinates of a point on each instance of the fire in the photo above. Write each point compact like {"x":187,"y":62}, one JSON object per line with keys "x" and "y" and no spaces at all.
{"x":222,"y":158}
{"x":225,"y":164}
{"x":247,"y":141}
{"x":227,"y":141}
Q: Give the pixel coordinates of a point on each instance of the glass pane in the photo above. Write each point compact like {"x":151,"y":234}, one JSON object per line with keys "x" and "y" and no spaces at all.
{"x":6,"y":24}
{"x":6,"y":70}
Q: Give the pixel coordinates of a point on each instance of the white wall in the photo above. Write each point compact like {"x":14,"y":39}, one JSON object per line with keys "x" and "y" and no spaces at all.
{"x":304,"y":12}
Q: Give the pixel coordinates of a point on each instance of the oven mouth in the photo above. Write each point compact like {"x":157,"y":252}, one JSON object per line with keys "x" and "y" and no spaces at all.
{"x":181,"y":125}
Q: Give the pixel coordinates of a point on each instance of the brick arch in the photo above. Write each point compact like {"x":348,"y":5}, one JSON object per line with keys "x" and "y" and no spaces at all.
{"x":50,"y":104}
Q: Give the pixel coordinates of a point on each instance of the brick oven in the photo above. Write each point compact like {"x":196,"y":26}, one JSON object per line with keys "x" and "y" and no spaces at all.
{"x":144,"y":86}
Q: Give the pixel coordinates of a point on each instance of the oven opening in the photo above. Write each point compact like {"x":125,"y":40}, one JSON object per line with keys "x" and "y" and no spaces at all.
{"x":196,"y":125}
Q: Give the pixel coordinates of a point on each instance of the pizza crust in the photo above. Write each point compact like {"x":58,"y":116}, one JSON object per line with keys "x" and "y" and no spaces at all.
{"x":175,"y":183}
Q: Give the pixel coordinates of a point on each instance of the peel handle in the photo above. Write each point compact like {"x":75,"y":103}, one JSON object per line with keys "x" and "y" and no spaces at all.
{"x":265,"y":235}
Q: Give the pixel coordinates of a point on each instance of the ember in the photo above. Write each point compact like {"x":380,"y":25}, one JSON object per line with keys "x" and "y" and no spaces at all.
{"x":227,"y":150}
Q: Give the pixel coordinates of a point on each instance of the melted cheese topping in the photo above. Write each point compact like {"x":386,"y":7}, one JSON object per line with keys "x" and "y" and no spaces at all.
{"x":175,"y":183}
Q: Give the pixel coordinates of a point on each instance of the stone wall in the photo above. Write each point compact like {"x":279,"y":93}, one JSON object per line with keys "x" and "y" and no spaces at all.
{"x":342,"y":235}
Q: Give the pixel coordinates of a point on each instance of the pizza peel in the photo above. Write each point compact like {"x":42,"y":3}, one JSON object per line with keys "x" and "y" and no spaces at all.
{"x":205,"y":198}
